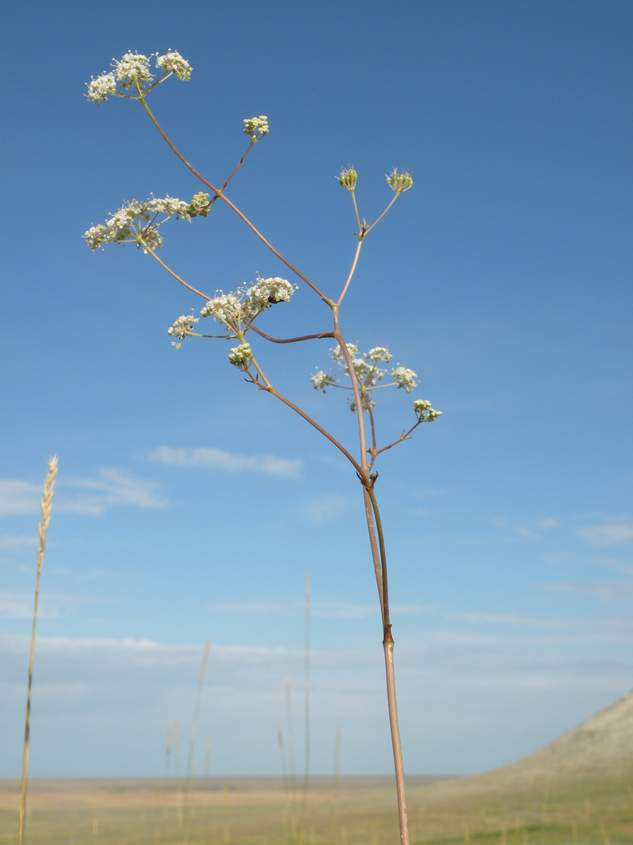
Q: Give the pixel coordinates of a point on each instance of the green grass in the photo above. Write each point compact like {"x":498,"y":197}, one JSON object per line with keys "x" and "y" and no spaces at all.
{"x":360,"y":811}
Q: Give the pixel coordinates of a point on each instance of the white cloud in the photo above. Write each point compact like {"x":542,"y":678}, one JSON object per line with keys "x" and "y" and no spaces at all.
{"x":109,"y":488}
{"x":14,"y":541}
{"x":52,"y":605}
{"x":605,"y":590}
{"x":13,"y":606}
{"x":613,"y":532}
{"x":533,"y":529}
{"x":19,"y":497}
{"x":320,"y":609}
{"x":325,"y":508}
{"x":211,"y":458}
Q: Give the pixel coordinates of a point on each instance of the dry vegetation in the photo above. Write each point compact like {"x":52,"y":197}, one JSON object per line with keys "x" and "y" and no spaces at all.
{"x":353,"y":812}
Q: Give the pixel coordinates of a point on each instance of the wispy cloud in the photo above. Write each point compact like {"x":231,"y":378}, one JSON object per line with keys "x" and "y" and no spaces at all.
{"x":325,"y":508}
{"x":15,"y":541}
{"x":211,"y":458}
{"x":320,"y":609}
{"x":612,"y":532}
{"x":89,"y":495}
{"x":54,"y":605}
{"x":15,"y":606}
{"x":533,"y":529}
{"x":604,"y":590}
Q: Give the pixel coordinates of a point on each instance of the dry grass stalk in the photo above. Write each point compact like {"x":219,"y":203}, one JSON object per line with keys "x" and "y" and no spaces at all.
{"x":42,"y":530}
{"x":193,"y":735}
{"x":307,"y":749}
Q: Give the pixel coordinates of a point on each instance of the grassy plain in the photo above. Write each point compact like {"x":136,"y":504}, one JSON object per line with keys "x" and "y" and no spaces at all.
{"x":352,"y":811}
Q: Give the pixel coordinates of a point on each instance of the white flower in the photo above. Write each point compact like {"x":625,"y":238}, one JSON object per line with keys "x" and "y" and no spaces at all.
{"x":379,"y":353}
{"x":181,"y":328}
{"x":226,"y":308}
{"x":321,"y":380}
{"x":399,"y":180}
{"x":240,"y":356}
{"x":424,"y":411}
{"x":132,"y":68}
{"x":135,"y":222}
{"x":368,"y":374}
{"x":169,"y":206}
{"x":337,"y":353}
{"x":404,"y":378}
{"x":101,"y":87}
{"x":267,"y":292}
{"x":256,"y":127}
{"x":173,"y":62}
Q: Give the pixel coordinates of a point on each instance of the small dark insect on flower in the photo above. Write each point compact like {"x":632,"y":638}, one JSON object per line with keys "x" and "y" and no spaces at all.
{"x":273,"y":300}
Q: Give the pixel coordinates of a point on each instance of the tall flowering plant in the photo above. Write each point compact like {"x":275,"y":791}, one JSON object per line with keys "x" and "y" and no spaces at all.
{"x":238,"y":315}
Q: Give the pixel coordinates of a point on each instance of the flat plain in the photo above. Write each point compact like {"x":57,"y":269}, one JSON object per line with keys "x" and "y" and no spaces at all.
{"x":576,"y":791}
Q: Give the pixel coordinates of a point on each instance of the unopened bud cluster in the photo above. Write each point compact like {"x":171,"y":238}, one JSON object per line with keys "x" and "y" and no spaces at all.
{"x":256,"y":127}
{"x":133,"y":72}
{"x":138,"y":221}
{"x":399,"y":180}
{"x":347,"y":178}
{"x":241,"y":356}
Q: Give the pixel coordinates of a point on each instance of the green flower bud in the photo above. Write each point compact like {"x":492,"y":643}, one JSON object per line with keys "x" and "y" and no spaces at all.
{"x":199,"y":205}
{"x":399,"y":180}
{"x":348,"y":178}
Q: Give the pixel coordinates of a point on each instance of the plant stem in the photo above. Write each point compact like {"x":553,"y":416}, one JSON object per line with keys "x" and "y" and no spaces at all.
{"x":47,"y":507}
{"x":388,"y":650}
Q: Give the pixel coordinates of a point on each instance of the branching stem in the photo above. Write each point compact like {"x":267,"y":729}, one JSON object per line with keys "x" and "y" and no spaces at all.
{"x":219,"y":191}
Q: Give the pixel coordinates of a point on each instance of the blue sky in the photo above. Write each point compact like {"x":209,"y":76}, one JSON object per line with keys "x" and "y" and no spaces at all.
{"x":503,"y":278}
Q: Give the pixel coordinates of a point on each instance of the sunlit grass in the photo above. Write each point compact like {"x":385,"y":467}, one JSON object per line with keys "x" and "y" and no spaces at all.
{"x":359,"y":811}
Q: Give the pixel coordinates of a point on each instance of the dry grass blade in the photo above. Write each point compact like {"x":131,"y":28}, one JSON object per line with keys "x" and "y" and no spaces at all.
{"x":42,"y":529}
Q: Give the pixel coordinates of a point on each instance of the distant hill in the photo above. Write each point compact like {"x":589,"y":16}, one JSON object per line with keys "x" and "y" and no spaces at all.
{"x":601,"y":746}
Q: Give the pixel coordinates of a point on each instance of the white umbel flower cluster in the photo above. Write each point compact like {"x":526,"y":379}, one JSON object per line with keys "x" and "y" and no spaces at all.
{"x":337,"y":353}
{"x":320,"y":380}
{"x":226,"y":308}
{"x":379,"y":353}
{"x":238,"y":309}
{"x":173,"y":62}
{"x":138,"y":220}
{"x":424,"y":411}
{"x":256,"y":127}
{"x":368,"y":374}
{"x":133,"y":71}
{"x":132,"y":68}
{"x":181,"y":328}
{"x":267,"y":292}
{"x":404,"y":379}
{"x":369,"y":370}
{"x":101,"y":87}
